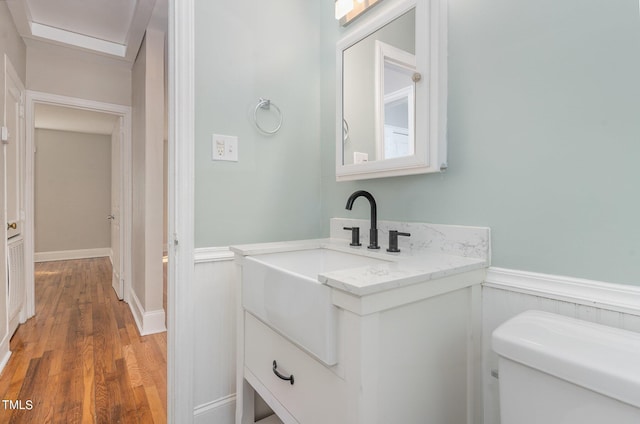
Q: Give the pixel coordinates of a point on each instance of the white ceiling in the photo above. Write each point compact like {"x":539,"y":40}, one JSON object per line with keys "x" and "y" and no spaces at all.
{"x":114,"y":28}
{"x":70,"y":119}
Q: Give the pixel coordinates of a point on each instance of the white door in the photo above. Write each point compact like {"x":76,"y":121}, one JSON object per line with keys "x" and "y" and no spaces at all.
{"x":12,"y":182}
{"x":3,"y":236}
{"x":116,"y":179}
{"x":14,"y":124}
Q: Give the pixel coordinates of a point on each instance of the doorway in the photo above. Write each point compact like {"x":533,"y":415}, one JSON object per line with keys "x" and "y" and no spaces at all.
{"x":122,"y":136}
{"x":77,"y":186}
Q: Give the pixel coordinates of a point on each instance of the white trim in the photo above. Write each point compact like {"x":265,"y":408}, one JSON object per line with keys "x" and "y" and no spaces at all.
{"x":78,"y":40}
{"x":180,"y":270}
{"x":212,"y":254}
{"x":151,"y":322}
{"x":64,"y":255}
{"x":615,"y":297}
{"x":4,"y":347}
{"x":205,"y":408}
{"x":34,"y":97}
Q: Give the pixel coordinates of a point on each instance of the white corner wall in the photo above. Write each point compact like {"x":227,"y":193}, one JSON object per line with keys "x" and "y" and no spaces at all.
{"x":148,"y":187}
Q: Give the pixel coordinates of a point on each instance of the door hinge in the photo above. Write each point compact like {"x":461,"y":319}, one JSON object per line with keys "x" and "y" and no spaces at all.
{"x":4,"y":135}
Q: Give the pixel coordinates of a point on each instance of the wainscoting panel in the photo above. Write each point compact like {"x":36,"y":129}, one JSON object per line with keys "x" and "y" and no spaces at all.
{"x":16,"y":281}
{"x":506,"y":293}
{"x":215,"y":344}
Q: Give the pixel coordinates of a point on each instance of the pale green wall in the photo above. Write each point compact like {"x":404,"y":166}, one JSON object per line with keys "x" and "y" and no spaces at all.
{"x":544,"y":131}
{"x":246,"y":50}
{"x":544,"y":138}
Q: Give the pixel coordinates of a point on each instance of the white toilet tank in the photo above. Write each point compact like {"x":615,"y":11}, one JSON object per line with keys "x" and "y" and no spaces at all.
{"x":559,"y":370}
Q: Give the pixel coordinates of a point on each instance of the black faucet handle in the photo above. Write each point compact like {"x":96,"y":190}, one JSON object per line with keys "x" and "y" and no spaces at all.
{"x":355,"y":235}
{"x":393,"y":240}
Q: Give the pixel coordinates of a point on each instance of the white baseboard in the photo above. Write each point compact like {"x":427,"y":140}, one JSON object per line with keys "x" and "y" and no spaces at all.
{"x":220,"y":411}
{"x":5,"y":353}
{"x":148,"y":322}
{"x":65,"y":255}
{"x":614,"y":297}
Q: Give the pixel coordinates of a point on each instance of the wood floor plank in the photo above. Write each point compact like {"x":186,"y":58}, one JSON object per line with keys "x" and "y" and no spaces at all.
{"x":142,"y":405}
{"x":89,"y":388}
{"x":81,"y":358}
{"x":158,"y":409}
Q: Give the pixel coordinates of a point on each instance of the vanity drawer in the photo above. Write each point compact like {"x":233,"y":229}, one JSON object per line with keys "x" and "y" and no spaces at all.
{"x":317,"y":395}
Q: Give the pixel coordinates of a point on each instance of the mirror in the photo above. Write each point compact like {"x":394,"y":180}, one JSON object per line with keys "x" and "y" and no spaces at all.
{"x":395,"y":100}
{"x":374,"y":84}
{"x":392,"y":92}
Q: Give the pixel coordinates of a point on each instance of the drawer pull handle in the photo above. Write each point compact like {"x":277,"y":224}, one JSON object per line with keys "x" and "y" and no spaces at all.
{"x":275,"y":371}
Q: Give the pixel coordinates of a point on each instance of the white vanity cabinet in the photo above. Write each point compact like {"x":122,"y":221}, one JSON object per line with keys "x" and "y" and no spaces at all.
{"x":315,"y":385}
{"x":405,"y":355}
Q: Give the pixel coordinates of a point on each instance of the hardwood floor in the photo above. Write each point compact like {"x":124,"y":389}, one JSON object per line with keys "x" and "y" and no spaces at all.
{"x":81,"y":359}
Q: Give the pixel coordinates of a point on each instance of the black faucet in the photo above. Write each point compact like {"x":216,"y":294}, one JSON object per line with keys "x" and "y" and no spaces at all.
{"x":373,"y":232}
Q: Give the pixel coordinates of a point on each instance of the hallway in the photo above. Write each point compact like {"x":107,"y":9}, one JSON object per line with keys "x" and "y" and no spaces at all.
{"x":81,"y":359}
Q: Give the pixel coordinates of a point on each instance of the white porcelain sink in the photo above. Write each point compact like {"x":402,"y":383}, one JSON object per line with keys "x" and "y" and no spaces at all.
{"x":282,"y":289}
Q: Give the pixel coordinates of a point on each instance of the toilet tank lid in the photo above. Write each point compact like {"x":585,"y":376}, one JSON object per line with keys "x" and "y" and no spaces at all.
{"x":600,"y":358}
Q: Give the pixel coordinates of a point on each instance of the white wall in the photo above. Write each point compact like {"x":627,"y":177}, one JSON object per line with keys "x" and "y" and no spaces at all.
{"x":72,"y":191}
{"x":148,"y":184}
{"x":59,"y":70}
{"x":215,"y":345}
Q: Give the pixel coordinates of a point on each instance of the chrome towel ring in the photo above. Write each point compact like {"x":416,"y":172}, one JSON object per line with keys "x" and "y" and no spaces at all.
{"x":266,"y":104}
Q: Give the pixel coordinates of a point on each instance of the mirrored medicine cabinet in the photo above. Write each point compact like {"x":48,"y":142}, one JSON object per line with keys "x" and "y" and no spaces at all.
{"x":392,"y":92}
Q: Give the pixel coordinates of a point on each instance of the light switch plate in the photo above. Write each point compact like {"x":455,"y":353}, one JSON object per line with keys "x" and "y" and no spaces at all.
{"x":224,"y":147}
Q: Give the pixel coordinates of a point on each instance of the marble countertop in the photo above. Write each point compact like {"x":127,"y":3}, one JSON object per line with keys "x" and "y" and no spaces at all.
{"x":399,"y":269}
